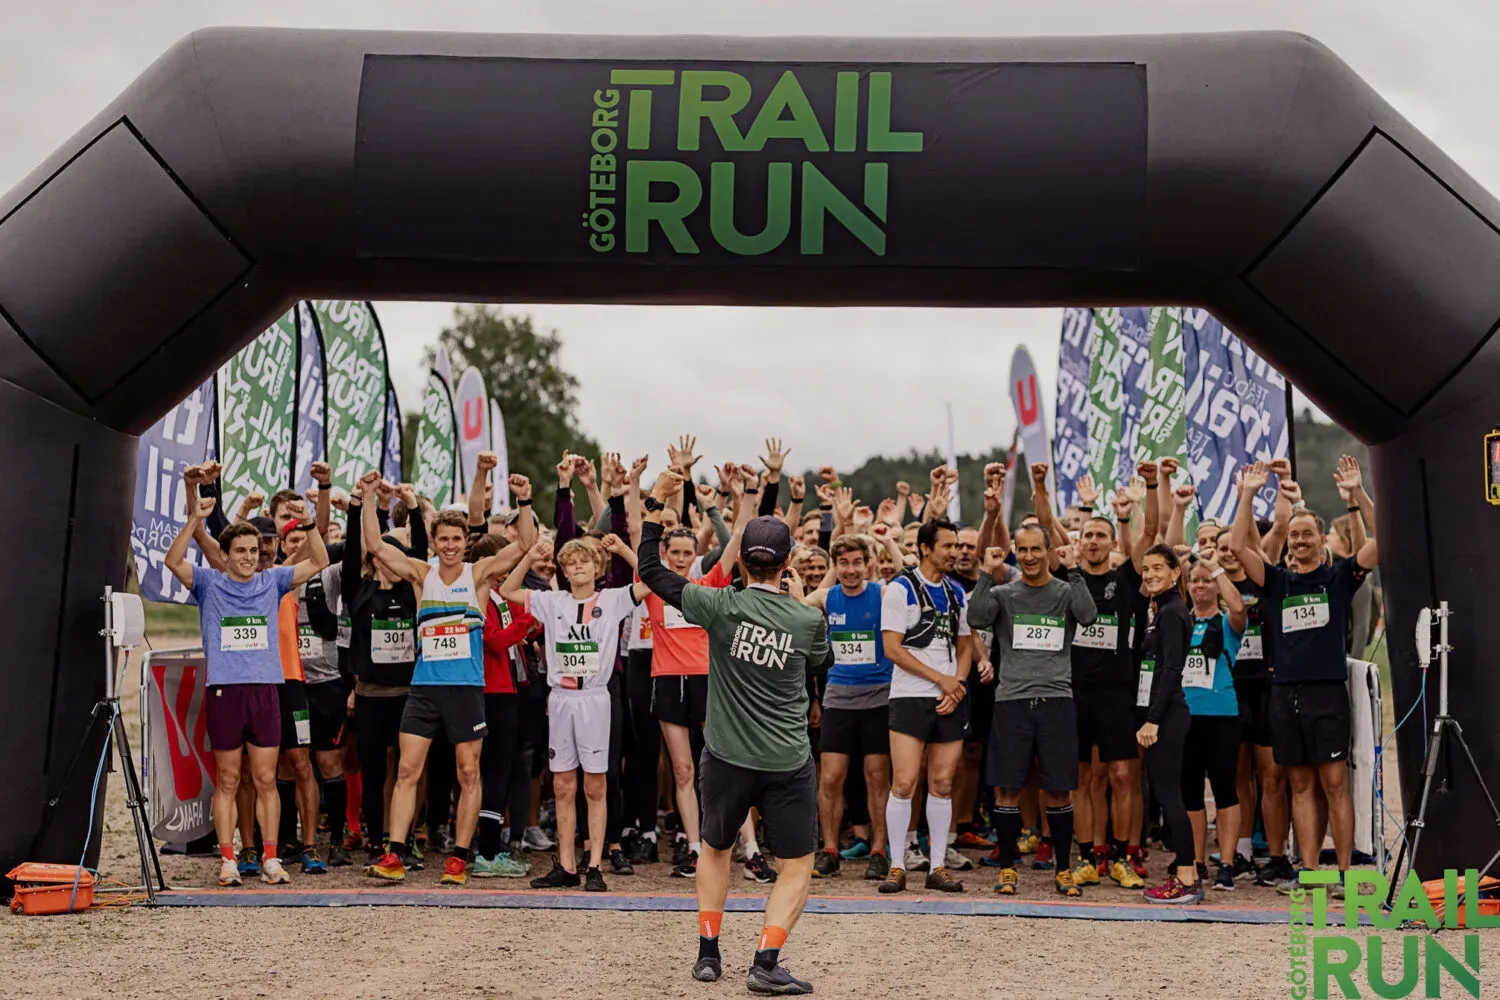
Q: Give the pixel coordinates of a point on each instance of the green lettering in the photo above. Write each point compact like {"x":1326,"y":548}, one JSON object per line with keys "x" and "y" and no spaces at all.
{"x":1342,"y":970}
{"x":846,"y":112}
{"x":819,"y":196}
{"x":1472,"y":917}
{"x":693,"y":108}
{"x":1411,"y":967}
{"x":786,"y":96}
{"x":643,"y":77}
{"x":880,"y":138}
{"x":1412,"y":904}
{"x":641,"y":210}
{"x":1438,"y":959}
{"x":1356,"y":899}
{"x":877,"y":180}
{"x":778,"y":210}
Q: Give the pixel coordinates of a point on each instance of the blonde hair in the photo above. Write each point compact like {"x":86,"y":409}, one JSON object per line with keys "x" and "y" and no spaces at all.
{"x":577,"y":548}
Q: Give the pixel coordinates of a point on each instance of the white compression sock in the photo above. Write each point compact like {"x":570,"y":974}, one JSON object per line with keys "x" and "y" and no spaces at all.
{"x":696,"y":846}
{"x":1242,"y":847}
{"x":897,"y":820}
{"x":939,"y":819}
{"x":747,"y":837}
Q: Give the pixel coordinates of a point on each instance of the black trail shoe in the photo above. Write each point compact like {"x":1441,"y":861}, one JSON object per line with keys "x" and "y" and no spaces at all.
{"x":776,"y":982}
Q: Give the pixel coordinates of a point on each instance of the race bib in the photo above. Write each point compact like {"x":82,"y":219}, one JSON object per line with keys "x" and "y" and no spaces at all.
{"x":853,"y":648}
{"x":1304,"y":611}
{"x":445,"y":642}
{"x":672,"y":617}
{"x":244,"y":634}
{"x":1043,"y":632}
{"x":1252,"y":645}
{"x":1197,"y":670}
{"x":391,"y":641}
{"x":306,"y":636}
{"x":346,"y":632}
{"x":1103,"y":634}
{"x":1143,"y":685}
{"x":578,"y":659}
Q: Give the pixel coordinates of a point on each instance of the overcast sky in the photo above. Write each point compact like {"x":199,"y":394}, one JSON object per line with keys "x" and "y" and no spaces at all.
{"x":60,"y":62}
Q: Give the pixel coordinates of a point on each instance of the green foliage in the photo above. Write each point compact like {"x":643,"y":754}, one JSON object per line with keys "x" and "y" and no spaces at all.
{"x":1318,"y":447}
{"x":537,"y":395}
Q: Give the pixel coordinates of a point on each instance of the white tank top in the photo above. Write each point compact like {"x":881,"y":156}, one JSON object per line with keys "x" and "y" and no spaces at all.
{"x":450,"y":631}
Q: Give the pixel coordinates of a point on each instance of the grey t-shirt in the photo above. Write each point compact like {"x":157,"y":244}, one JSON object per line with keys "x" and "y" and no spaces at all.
{"x":856,"y":696}
{"x":320,"y":657}
{"x":1034,"y":629}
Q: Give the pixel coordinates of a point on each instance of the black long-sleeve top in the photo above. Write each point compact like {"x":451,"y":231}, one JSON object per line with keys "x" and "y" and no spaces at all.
{"x":1166,"y":643}
{"x":365,"y":602}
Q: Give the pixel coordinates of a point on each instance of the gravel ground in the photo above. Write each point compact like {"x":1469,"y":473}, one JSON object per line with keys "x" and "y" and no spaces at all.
{"x":372,"y":952}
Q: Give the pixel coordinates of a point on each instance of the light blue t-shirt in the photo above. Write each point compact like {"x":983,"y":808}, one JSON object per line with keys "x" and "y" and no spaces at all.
{"x":1219,"y":697}
{"x":241,"y":641}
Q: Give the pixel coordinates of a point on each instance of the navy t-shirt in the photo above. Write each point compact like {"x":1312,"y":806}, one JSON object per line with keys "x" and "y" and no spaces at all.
{"x":1307,"y":618}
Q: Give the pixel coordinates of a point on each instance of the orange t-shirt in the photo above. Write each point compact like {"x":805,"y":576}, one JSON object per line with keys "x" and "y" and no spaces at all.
{"x":286,"y":638}
{"x":680,"y":649}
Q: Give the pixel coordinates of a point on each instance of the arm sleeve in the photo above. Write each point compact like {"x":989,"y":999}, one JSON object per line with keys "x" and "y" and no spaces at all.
{"x":1082,"y":602}
{"x":349,"y":578}
{"x":620,"y":573}
{"x":1174,"y":634}
{"x":984,"y":604}
{"x":418,"y":526}
{"x":768,"y":498}
{"x":567,"y":529}
{"x":721,"y":535}
{"x":662,"y":581}
{"x":383,"y":518}
{"x":217,"y":519}
{"x":825,"y":529}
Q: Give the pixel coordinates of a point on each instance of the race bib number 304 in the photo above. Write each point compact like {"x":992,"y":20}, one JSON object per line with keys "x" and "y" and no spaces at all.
{"x":445,"y":642}
{"x":1304,"y":611}
{"x":578,"y":659}
{"x":1103,"y":634}
{"x":1043,"y":632}
{"x":853,"y":648}
{"x":244,"y":634}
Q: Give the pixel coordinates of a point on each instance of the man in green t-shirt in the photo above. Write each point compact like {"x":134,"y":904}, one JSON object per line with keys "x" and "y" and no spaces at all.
{"x":763,"y":644}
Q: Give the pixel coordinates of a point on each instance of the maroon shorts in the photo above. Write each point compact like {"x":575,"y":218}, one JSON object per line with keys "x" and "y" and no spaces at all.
{"x":243,"y":713}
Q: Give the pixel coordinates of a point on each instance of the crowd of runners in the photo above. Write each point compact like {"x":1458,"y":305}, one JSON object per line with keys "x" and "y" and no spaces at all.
{"x":755,"y":668}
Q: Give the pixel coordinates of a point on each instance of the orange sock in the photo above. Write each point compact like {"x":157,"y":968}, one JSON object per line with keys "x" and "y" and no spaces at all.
{"x":709,"y":922}
{"x":226,"y":851}
{"x":268,"y":851}
{"x":771,"y":938}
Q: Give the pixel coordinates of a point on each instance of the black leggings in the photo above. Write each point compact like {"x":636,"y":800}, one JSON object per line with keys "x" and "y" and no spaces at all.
{"x":503,"y":768}
{"x":1164,"y":765}
{"x":642,"y":744}
{"x":1212,"y":751}
{"x":377,"y":727}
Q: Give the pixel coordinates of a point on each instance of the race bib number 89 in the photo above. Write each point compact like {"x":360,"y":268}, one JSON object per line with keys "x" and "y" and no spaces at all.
{"x":243,"y":634}
{"x":1197,"y":670}
{"x":1304,"y":611}
{"x":1042,"y":632}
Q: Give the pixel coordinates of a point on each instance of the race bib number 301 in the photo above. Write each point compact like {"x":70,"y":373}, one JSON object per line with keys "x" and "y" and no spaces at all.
{"x":391,"y":641}
{"x":1043,"y":632}
{"x":1103,"y":634}
{"x":853,"y":648}
{"x":445,"y":642}
{"x":1304,"y":611}
{"x":244,"y":634}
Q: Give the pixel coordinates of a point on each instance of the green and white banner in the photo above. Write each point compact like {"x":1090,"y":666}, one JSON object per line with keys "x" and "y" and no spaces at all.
{"x":257,"y":413}
{"x":356,"y":365}
{"x":1106,"y":413}
{"x":1163,"y":422}
{"x":434,"y":462}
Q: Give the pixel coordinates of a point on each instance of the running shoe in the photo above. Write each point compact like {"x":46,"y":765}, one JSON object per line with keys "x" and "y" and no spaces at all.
{"x":419,"y":835}
{"x":338,"y":856}
{"x":249,"y":864}
{"x":758,"y":869}
{"x":502,"y":865}
{"x":455,"y":872}
{"x":992,"y":859}
{"x":1007,"y":882}
{"x":388,"y":867}
{"x":708,"y":970}
{"x":1276,"y":873}
{"x":688,"y":868}
{"x":941,"y":879}
{"x":1224,"y":878}
{"x":1137,"y":862}
{"x":895,"y":881}
{"x":558,"y":878}
{"x":645,"y":851}
{"x":445,"y":841}
{"x":1028,"y":842}
{"x":879,"y":866}
{"x":970,"y":840}
{"x":229,"y":874}
{"x":536,"y":839}
{"x":1065,"y":885}
{"x":1244,"y":867}
{"x":1294,"y":882}
{"x":1124,"y":875}
{"x":272,"y":872}
{"x":1084,"y":873}
{"x":353,"y":841}
{"x":679,"y":850}
{"x":916,"y":859}
{"x":311,"y":863}
{"x":826,"y":865}
{"x":1173,"y":890}
{"x":856,"y":851}
{"x":1043,"y":860}
{"x":1258,"y":846}
{"x":1101,"y":859}
{"x":958,"y":862}
{"x":619,"y":863}
{"x":593,"y":881}
{"x":414,"y":857}
{"x":775,"y":982}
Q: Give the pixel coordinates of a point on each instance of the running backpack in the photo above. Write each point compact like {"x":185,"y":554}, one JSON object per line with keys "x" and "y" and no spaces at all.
{"x":919,"y":636}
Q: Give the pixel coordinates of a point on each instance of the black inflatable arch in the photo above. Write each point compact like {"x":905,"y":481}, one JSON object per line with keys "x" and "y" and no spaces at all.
{"x":1254,"y":174}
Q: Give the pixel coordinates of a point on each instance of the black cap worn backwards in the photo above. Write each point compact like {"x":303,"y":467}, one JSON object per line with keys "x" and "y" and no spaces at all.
{"x":767,"y":541}
{"x":264,"y":525}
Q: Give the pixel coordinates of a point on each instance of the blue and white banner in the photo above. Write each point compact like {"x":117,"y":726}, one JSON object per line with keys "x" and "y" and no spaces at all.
{"x":1236,"y":413}
{"x":311,"y":399}
{"x":1119,"y":372}
{"x":1070,"y":444}
{"x":391,"y":467}
{"x":181,"y":438}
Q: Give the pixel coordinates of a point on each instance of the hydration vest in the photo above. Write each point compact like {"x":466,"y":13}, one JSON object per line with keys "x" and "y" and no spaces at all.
{"x":919,"y":636}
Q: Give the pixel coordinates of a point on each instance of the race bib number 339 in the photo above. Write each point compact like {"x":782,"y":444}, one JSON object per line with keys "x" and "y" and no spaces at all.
{"x":1042,"y":632}
{"x":1304,"y":611}
{"x":243,"y":634}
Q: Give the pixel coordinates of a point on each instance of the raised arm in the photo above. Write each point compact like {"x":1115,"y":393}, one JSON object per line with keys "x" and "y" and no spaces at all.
{"x":1241,"y":534}
{"x":1124,"y":508}
{"x":903,"y":493}
{"x":323,"y":510}
{"x":742,"y":517}
{"x":513,"y":589}
{"x":584,"y":470}
{"x":397,"y":562}
{"x":315,"y":553}
{"x":796,"y":487}
{"x":1147,"y":471}
{"x":1182,"y":496}
{"x":176,"y":557}
{"x":349,"y":578}
{"x":478,"y":509}
{"x":662,"y":581}
{"x":634,"y":512}
{"x":1351,"y":482}
{"x":1041,"y":502}
{"x":1166,"y":468}
{"x":1234,"y":604}
{"x":1288,"y":495}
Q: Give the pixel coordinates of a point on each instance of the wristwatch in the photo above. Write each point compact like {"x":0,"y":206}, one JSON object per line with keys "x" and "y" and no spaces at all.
{"x":653,"y":504}
{"x":1218,"y":573}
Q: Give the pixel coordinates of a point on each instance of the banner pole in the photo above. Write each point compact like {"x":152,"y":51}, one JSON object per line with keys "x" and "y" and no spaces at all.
{"x":1291,"y":429}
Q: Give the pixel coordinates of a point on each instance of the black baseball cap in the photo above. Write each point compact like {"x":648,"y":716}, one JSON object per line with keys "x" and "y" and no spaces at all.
{"x":264,"y":525}
{"x":767,"y":541}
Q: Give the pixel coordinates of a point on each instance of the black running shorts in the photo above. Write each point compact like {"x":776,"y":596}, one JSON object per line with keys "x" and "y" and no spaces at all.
{"x":857,"y":732}
{"x":1106,"y":719}
{"x":1042,"y":728}
{"x":680,"y":701}
{"x":328,"y":711}
{"x":453,"y":709}
{"x":1309,"y":723}
{"x":1255,"y":710}
{"x":787,"y":802}
{"x":296,"y":727}
{"x":919,"y":717}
